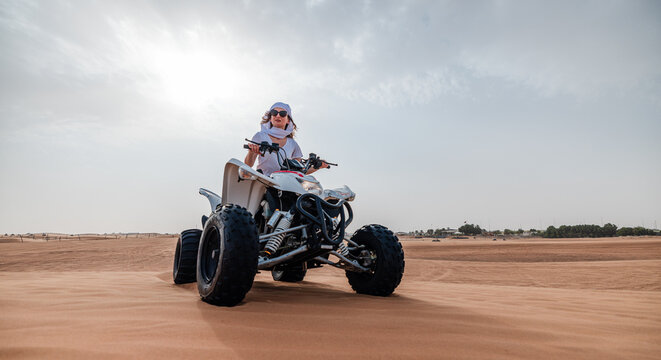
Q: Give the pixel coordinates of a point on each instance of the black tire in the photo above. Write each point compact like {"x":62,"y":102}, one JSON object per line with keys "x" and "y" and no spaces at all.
{"x":185,"y":256}
{"x":291,"y":273}
{"x":227,"y":256}
{"x":384,"y":257}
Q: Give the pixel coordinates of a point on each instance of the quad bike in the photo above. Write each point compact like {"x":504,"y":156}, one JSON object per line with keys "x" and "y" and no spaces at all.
{"x":285,"y":223}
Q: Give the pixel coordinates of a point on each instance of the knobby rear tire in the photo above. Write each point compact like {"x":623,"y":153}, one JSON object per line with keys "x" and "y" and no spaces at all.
{"x":185,"y":256}
{"x":227,"y":256}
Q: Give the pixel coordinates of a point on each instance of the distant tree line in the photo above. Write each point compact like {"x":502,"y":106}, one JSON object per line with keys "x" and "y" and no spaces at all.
{"x":563,"y":231}
{"x":636,"y":231}
{"x":470,"y":229}
{"x":576,"y":231}
{"x":433,"y":232}
{"x":608,"y":230}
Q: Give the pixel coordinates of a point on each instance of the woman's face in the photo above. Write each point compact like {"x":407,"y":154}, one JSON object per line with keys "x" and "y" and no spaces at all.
{"x":279,"y":121}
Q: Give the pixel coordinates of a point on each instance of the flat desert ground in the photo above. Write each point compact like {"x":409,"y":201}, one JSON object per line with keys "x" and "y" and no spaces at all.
{"x":459,"y":299}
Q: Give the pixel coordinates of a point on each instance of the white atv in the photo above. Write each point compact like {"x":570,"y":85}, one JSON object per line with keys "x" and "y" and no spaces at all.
{"x":286,"y":223}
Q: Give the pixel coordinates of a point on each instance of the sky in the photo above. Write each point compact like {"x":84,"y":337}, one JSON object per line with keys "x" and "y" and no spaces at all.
{"x":505,"y":114}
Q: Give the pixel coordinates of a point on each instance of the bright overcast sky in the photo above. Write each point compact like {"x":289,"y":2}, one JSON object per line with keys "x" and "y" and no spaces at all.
{"x":504,"y":114}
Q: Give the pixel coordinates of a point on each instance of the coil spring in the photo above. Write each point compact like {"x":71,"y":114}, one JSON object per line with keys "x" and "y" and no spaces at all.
{"x":274,"y":241}
{"x":342,"y":249}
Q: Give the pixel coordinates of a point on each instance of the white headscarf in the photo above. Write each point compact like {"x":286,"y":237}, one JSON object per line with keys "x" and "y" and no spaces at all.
{"x":277,"y":132}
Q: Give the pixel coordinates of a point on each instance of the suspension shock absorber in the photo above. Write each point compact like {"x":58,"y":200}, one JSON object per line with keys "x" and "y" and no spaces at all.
{"x":274,"y":241}
{"x":342,"y":249}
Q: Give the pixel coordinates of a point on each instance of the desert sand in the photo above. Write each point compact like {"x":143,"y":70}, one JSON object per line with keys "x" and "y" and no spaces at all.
{"x":459,"y":299}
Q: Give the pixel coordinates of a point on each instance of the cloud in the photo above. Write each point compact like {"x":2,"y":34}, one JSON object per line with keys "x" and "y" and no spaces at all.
{"x":80,"y":79}
{"x":127,"y":63}
{"x":583,"y":49}
{"x":412,"y":89}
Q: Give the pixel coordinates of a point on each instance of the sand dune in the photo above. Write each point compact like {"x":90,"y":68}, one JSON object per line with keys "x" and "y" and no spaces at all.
{"x":459,"y":299}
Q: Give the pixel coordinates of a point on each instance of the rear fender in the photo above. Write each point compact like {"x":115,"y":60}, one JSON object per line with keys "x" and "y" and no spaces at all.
{"x":214,"y":199}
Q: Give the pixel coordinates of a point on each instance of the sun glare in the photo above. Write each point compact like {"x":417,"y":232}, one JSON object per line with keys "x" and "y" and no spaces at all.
{"x":193,"y":80}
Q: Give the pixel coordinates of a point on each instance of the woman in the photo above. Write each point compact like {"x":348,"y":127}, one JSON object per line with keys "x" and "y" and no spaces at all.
{"x":277,"y":127}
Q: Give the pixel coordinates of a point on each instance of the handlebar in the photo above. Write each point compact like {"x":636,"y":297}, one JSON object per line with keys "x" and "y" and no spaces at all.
{"x":317,"y":162}
{"x":312,"y":161}
{"x":264,"y":146}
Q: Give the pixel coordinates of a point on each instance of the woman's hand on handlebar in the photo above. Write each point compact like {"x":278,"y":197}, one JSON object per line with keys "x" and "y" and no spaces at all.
{"x":323,"y":165}
{"x":254,"y":149}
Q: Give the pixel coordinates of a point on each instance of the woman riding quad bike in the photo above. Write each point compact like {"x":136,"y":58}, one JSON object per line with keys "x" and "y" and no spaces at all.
{"x":285,"y":222}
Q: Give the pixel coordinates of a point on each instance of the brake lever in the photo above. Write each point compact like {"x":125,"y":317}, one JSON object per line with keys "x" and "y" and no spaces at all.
{"x":321,"y":161}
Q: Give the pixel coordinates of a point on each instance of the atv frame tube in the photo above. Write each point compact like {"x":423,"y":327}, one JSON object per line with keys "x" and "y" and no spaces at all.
{"x":322,"y":216}
{"x":265,"y":237}
{"x":282,"y":258}
{"x":345,"y":264}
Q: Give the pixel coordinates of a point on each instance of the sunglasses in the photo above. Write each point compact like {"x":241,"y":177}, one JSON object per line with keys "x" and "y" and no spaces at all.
{"x":276,"y":112}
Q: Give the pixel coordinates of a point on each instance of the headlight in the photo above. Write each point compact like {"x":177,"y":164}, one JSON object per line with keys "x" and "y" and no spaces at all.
{"x":343,"y":193}
{"x":245,"y":175}
{"x":311,"y":187}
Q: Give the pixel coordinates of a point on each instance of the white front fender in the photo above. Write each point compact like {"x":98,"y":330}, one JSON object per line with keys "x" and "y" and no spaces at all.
{"x":246,"y":191}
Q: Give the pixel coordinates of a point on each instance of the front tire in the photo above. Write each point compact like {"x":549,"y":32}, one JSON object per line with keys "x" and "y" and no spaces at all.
{"x":384,"y":256}
{"x":185,"y":256}
{"x":227,"y":256}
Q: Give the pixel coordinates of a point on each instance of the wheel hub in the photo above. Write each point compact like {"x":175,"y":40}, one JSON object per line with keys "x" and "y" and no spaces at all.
{"x":367,"y":258}
{"x":210,"y":255}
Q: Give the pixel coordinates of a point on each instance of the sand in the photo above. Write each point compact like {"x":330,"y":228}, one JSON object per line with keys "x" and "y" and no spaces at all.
{"x":459,"y":299}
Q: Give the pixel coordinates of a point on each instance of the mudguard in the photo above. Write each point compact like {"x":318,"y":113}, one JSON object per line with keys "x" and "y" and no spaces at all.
{"x":246,"y":190}
{"x":214,"y":199}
